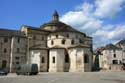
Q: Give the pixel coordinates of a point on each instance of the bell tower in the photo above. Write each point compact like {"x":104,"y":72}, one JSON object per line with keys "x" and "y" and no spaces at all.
{"x":55,"y":16}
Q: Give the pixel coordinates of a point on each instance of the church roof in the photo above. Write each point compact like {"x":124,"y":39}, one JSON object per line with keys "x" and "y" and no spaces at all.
{"x":111,"y":47}
{"x":57,"y":47}
{"x":61,"y":27}
{"x":121,"y":42}
{"x":80,"y":46}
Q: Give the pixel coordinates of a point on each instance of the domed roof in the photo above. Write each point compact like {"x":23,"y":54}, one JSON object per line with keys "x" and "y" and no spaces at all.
{"x":61,"y":27}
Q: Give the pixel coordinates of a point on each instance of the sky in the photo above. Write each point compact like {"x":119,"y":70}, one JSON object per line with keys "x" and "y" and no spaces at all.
{"x":104,"y":20}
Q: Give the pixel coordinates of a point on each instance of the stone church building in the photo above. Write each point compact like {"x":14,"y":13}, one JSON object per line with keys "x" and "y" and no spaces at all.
{"x":57,"y":47}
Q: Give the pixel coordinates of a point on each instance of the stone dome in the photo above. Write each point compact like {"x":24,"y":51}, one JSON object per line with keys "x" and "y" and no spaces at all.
{"x":60,"y":26}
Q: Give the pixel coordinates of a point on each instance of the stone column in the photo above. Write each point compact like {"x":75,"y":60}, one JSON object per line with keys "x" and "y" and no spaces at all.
{"x":72,"y":57}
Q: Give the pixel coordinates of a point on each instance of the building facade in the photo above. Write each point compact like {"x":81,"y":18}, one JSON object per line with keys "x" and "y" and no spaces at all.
{"x":112,"y":57}
{"x":12,"y":49}
{"x":57,"y":47}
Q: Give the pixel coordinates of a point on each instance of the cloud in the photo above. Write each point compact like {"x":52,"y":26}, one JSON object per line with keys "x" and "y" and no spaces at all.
{"x":82,"y":18}
{"x":105,"y":36}
{"x":86,"y":18}
{"x":108,"y":8}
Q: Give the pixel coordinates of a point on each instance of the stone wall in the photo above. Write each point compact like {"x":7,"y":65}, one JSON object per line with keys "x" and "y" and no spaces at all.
{"x":58,"y":64}
{"x":37,"y":55}
{"x":77,"y":59}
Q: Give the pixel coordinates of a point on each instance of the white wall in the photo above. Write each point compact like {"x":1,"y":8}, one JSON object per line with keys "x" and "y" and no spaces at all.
{"x":36,"y":57}
{"x":77,"y":59}
{"x":59,"y":60}
{"x":108,"y":57}
{"x":63,"y":35}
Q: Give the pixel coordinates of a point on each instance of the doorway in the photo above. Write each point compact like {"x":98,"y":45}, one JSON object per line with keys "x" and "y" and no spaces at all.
{"x":4,"y":63}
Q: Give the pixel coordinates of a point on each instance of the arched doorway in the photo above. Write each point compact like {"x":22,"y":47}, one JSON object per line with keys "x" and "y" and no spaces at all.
{"x":66,"y":62}
{"x":86,"y":58}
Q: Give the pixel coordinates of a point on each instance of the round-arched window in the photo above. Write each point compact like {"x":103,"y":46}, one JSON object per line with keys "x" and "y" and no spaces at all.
{"x":63,"y":41}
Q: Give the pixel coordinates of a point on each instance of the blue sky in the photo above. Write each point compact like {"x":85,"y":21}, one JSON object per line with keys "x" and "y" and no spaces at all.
{"x":104,"y":20}
{"x":14,"y":13}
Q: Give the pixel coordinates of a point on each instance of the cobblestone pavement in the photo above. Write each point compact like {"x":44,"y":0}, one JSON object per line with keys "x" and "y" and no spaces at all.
{"x":66,"y":77}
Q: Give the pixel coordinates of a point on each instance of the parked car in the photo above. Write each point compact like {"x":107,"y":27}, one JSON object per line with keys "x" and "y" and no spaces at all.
{"x":4,"y":71}
{"x":27,"y":69}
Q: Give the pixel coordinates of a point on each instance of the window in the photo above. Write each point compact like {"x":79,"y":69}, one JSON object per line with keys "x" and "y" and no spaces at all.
{"x":18,"y":40}
{"x":42,"y":37}
{"x":72,"y":42}
{"x":114,"y":61}
{"x":67,"y":58}
{"x":52,"y":42}
{"x":86,"y":58}
{"x":5,"y":40}
{"x":17,"y":62}
{"x":18,"y":50}
{"x":67,"y":35}
{"x":76,"y":36}
{"x":34,"y":37}
{"x":63,"y":41}
{"x":5,"y":50}
{"x":53,"y":60}
{"x":120,"y":62}
{"x":114,"y":55}
{"x":81,"y":41}
{"x":42,"y":60}
{"x":17,"y":58}
{"x":56,"y":36}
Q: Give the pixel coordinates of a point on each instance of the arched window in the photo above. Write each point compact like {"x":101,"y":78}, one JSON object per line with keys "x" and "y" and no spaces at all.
{"x":42,"y":37}
{"x":53,"y":59}
{"x":52,"y":42}
{"x":18,"y":40}
{"x":5,"y":50}
{"x":34,"y":37}
{"x":5,"y":40}
{"x":67,"y":35}
{"x":56,"y":36}
{"x":42,"y":60}
{"x":67,"y":58}
{"x":81,"y":41}
{"x":63,"y":41}
{"x":86,"y":58}
{"x":72,"y":42}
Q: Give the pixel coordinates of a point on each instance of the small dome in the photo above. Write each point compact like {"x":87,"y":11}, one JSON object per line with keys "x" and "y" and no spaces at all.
{"x":60,"y":26}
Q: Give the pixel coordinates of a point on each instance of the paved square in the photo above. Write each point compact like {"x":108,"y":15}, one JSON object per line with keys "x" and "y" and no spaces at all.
{"x":66,"y":77}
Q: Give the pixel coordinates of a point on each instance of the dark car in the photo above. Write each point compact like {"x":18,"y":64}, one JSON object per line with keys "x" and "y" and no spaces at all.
{"x":3,"y":72}
{"x":27,"y":69}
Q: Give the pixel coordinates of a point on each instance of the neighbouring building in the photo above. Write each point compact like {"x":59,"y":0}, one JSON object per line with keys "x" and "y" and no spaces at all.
{"x":98,"y":59}
{"x":121,"y":44}
{"x":12,"y":49}
{"x":113,"y":56}
{"x":54,"y":46}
